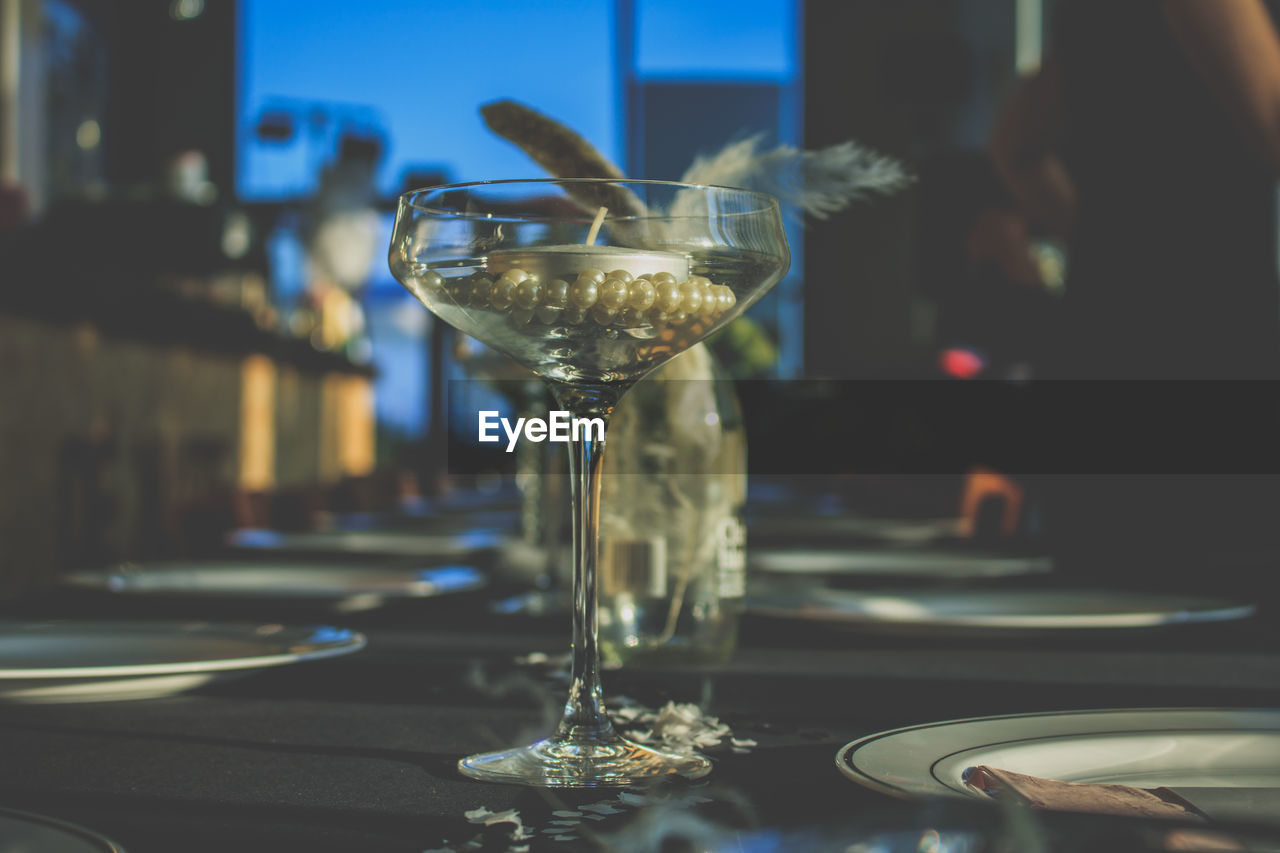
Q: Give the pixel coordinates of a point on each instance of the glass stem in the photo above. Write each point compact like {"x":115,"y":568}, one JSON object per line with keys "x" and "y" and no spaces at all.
{"x":585,"y":719}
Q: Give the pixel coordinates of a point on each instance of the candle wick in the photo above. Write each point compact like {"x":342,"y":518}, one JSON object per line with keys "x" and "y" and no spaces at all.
{"x":595,"y":226}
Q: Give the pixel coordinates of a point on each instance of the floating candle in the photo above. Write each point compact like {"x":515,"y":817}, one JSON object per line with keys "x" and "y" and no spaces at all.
{"x":566,"y":262}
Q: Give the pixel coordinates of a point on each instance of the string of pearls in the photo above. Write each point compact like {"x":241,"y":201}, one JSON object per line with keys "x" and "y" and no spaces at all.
{"x":607,"y":298}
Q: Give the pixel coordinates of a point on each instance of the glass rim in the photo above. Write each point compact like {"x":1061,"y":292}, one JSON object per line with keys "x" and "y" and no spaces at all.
{"x":767,"y":202}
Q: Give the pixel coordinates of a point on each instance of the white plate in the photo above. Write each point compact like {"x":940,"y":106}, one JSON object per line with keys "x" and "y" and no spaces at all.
{"x":101,"y":661}
{"x":950,"y":565}
{"x":989,"y":610}
{"x":21,"y":832}
{"x":445,"y":546}
{"x":345,"y":587}
{"x":1171,"y":747}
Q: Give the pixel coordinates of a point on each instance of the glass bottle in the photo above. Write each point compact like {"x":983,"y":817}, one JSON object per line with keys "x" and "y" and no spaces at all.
{"x":672,"y":560}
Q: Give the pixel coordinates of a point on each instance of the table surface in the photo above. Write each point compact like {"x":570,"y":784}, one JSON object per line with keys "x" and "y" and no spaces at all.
{"x":359,"y":753}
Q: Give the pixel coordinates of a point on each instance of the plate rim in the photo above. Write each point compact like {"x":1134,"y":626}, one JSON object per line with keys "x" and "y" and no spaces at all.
{"x":449,"y":544}
{"x":849,"y":771}
{"x":105,"y":844}
{"x":996,"y":565}
{"x":100,"y":580}
{"x":1225,"y":610}
{"x":353,"y":642}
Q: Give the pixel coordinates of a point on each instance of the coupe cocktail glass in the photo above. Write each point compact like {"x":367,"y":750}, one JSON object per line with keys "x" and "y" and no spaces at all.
{"x":590,"y":284}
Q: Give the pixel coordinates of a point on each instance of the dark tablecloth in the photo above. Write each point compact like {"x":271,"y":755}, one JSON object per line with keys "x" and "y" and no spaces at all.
{"x":358,"y":753}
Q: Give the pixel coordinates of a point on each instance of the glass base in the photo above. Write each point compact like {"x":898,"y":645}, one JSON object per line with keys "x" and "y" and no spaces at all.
{"x":556,"y":763}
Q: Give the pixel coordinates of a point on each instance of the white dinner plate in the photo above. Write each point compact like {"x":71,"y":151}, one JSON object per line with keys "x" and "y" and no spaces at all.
{"x":344,"y":587}
{"x":69,"y":661}
{"x":1192,"y":749}
{"x":989,"y":610}
{"x":22,"y":832}
{"x":938,"y":564}
{"x":442,"y":546}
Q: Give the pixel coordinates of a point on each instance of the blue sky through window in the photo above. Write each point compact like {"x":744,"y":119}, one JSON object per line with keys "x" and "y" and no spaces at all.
{"x":716,"y":39}
{"x":421,"y":68}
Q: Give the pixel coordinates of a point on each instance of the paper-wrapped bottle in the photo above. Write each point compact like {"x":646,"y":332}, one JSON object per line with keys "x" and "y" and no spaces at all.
{"x":672,"y":560}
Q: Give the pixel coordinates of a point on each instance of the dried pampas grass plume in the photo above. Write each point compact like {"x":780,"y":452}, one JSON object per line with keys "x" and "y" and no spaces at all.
{"x":564,"y":154}
{"x":819,"y":182}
